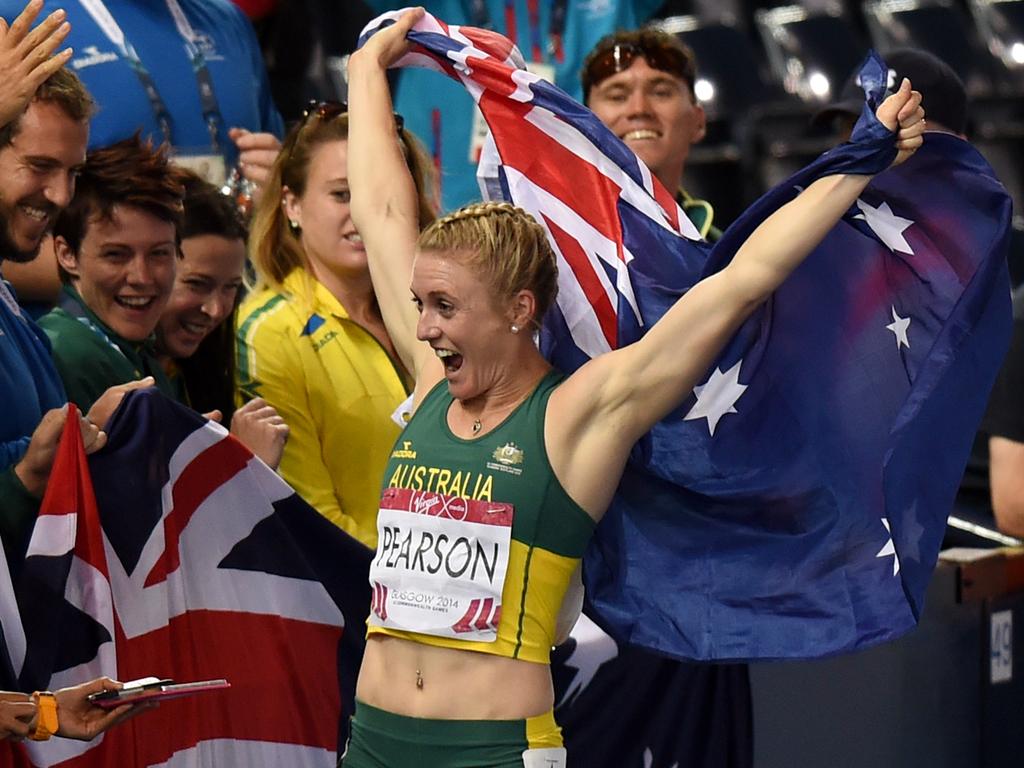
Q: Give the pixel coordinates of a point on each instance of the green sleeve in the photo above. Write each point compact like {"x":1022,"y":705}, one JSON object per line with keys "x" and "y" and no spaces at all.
{"x":86,"y":364}
{"x":84,"y":380}
{"x":18,"y":511}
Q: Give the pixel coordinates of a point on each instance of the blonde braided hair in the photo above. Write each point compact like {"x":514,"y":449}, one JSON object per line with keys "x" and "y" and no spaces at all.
{"x":502,"y":243}
{"x":485,"y":208}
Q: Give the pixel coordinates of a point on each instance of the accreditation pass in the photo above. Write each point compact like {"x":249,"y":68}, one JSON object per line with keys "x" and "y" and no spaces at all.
{"x":440,"y":564}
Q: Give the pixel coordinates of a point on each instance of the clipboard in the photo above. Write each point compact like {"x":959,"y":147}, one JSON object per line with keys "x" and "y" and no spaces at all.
{"x":154,"y":689}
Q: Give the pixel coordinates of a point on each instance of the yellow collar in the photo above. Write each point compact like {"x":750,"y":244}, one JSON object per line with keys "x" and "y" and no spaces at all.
{"x":302,"y":285}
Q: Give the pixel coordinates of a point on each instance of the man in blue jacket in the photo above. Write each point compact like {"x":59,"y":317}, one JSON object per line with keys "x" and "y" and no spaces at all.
{"x":44,"y":127}
{"x":182,"y":71}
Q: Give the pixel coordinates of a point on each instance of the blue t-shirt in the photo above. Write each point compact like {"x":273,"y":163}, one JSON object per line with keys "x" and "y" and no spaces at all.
{"x":440,"y":111}
{"x":227,"y":41}
{"x":29,"y":384}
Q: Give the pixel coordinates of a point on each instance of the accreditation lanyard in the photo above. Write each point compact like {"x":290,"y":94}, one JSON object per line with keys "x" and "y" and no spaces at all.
{"x":481,"y":17}
{"x":72,"y":304}
{"x":207,"y":99}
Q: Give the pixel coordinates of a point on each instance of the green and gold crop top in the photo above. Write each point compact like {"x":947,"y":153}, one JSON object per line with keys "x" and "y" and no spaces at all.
{"x":477,"y":539}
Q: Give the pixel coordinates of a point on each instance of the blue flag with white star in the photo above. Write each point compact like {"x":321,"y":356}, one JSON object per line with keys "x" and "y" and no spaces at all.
{"x":794,"y":505}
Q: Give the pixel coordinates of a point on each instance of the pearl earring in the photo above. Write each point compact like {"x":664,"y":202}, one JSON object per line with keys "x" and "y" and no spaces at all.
{"x":293,"y":224}
{"x":514,"y":328}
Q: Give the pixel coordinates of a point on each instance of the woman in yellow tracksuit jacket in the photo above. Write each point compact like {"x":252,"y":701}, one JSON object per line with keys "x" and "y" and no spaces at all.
{"x":311,"y":340}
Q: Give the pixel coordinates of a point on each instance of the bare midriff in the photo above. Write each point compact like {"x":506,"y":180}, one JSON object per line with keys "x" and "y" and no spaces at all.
{"x":417,"y":680}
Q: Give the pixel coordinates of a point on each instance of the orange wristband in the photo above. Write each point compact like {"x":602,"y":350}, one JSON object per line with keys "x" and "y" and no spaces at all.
{"x":46,"y":715}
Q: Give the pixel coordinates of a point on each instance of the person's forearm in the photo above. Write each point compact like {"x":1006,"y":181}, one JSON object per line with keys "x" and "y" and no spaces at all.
{"x":375,"y":154}
{"x":32,"y":479}
{"x":18,"y":511}
{"x":785,"y":238}
{"x":1010,"y":518}
{"x":683,"y":343}
{"x":1006,"y":483}
{"x":384,"y":200}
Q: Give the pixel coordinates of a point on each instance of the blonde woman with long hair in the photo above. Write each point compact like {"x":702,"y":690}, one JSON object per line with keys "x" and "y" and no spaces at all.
{"x":311,"y":339}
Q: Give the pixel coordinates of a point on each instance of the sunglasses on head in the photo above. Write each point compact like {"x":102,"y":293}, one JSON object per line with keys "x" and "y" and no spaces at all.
{"x":328,"y":110}
{"x":621,"y":56}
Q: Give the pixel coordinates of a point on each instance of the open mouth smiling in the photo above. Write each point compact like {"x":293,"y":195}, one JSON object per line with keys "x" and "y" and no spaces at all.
{"x":135,"y":303}
{"x":451,"y":359}
{"x":641,"y":134}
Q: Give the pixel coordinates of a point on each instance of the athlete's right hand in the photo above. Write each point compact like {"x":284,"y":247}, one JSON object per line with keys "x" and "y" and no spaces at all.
{"x":389,"y":44}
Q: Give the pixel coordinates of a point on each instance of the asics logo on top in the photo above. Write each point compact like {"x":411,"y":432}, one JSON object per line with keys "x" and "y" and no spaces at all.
{"x":91,"y":56}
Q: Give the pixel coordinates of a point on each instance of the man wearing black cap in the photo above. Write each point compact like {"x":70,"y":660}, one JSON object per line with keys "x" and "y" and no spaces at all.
{"x":640,"y":84}
{"x":942,"y":90}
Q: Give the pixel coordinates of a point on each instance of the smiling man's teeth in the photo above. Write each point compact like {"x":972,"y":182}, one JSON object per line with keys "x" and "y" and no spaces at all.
{"x":194,"y":328}
{"x":34,"y":213}
{"x":133,"y":301}
{"x":443,"y":353}
{"x":644,"y":133}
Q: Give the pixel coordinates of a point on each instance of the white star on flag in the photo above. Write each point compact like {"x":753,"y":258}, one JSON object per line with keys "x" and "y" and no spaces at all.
{"x":887,"y":225}
{"x":890,"y":549}
{"x":717,"y":396}
{"x":899,"y":326}
{"x":593,"y":648}
{"x":649,"y":759}
{"x":912,"y":533}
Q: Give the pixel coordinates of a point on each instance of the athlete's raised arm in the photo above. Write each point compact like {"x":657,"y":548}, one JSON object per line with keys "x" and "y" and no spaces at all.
{"x":385,"y":205}
{"x":617,"y":397}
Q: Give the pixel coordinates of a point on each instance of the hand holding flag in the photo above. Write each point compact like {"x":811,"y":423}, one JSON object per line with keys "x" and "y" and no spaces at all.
{"x":903,"y":114}
{"x":391,"y":43}
{"x":34,"y":468}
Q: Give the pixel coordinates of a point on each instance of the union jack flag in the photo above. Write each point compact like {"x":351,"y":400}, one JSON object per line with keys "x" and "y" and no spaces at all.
{"x":175,"y":553}
{"x":598,"y":202}
{"x":794,"y":505}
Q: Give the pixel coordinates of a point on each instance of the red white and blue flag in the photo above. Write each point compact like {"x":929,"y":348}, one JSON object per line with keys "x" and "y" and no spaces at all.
{"x":794,"y":505}
{"x":175,"y":553}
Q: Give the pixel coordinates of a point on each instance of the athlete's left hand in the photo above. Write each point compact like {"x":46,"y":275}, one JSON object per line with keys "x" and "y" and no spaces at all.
{"x":903,"y":114}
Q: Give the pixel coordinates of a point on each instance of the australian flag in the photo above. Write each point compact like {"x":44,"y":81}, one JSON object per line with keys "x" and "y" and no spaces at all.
{"x":794,"y":505}
{"x":175,"y":553}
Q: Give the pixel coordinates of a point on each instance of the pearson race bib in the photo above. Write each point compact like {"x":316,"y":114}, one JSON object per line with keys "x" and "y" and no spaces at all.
{"x":440,"y":565}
